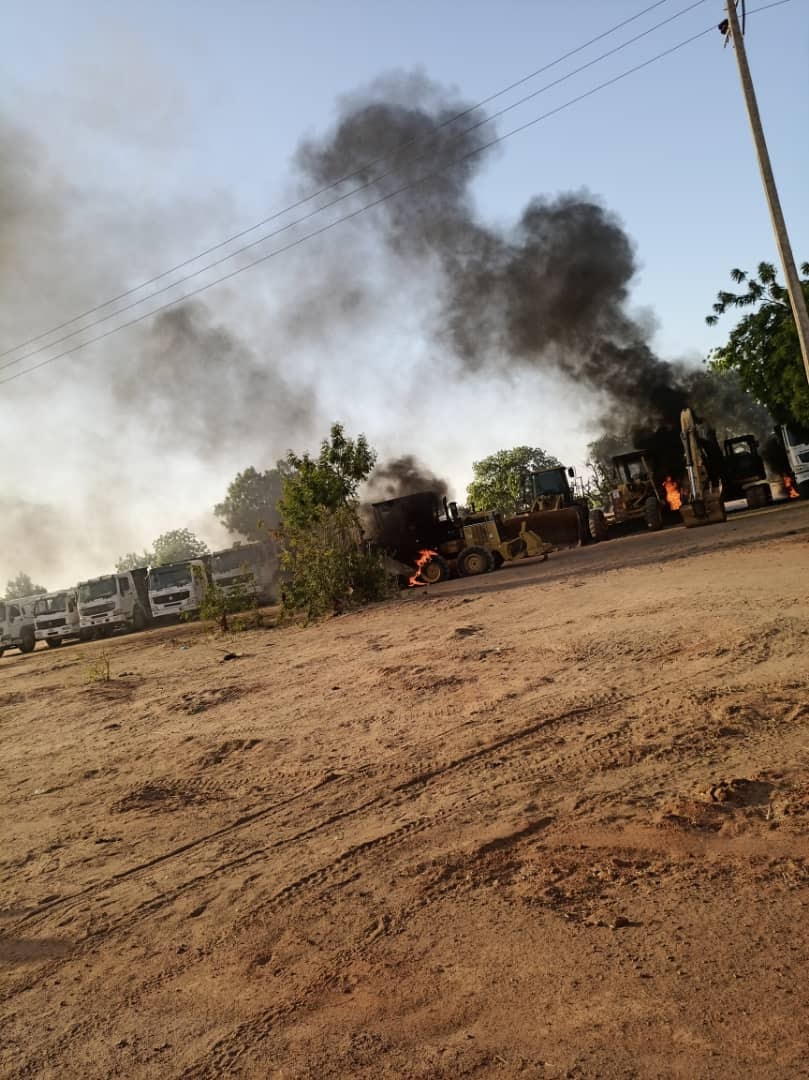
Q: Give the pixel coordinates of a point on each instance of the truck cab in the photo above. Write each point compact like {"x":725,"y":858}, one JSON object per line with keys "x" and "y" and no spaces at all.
{"x":796,"y":443}
{"x":249,"y":569}
{"x":179,"y":588}
{"x":17,"y":624}
{"x":56,"y":617}
{"x":114,"y":602}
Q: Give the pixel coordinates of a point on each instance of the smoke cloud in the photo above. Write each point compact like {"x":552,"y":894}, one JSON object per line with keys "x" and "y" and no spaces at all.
{"x":401,"y":476}
{"x":549,"y":293}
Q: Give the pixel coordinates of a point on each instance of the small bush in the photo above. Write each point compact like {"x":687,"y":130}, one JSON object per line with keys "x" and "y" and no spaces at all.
{"x":328,"y":569}
{"x":99,"y":669}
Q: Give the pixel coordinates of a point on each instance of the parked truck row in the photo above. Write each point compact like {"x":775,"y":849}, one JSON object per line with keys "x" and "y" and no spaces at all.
{"x":134,"y":599}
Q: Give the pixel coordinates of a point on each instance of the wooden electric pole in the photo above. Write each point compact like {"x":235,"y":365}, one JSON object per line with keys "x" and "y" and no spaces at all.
{"x":796,"y":297}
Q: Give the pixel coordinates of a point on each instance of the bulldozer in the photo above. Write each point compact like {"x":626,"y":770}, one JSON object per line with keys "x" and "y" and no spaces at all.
{"x":432,"y":540}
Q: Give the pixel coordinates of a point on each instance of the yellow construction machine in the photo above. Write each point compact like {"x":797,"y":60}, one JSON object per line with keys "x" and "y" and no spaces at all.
{"x":701,"y":495}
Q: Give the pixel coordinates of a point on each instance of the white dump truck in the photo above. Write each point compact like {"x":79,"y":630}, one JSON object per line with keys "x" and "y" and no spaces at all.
{"x":796,"y":444}
{"x":249,"y":569}
{"x":114,"y":602}
{"x":56,"y":617}
{"x":178,"y":589}
{"x":17,"y":624}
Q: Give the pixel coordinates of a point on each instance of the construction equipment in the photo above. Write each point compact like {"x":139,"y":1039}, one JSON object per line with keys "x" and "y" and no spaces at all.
{"x":745,"y":476}
{"x":702,"y":502}
{"x":434,"y":540}
{"x":637,"y":496}
{"x":556,"y":512}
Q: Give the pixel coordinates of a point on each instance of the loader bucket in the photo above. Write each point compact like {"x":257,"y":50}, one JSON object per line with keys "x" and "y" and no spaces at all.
{"x":707,"y":511}
{"x":562,"y":528}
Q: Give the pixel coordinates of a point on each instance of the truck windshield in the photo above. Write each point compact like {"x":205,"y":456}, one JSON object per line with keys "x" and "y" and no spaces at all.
{"x":102,"y":589}
{"x":49,"y":604}
{"x":237,"y":559}
{"x":168,"y":577}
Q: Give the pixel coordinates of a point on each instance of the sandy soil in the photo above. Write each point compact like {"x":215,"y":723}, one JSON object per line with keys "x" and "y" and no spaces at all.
{"x":558,"y":831}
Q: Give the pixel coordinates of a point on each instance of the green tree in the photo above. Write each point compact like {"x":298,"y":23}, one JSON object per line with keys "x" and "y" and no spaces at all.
{"x":131,"y":561}
{"x":326,"y":566}
{"x":328,"y":481}
{"x":250,"y":506}
{"x":763,"y":346}
{"x":499,"y":480}
{"x":177,"y":546}
{"x":22,"y":585}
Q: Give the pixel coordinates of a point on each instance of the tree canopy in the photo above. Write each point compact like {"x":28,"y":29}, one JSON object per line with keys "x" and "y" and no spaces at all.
{"x":22,"y":585}
{"x":250,"y":506}
{"x":177,"y":546}
{"x":499,"y":480}
{"x":328,"y":481}
{"x":763,"y":347}
{"x":131,"y":561}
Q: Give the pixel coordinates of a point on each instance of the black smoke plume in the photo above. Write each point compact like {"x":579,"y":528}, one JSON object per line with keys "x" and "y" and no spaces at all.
{"x":401,"y":476}
{"x":550,"y":292}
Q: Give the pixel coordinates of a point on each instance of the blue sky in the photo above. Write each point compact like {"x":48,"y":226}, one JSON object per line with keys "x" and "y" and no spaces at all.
{"x":201,"y":106}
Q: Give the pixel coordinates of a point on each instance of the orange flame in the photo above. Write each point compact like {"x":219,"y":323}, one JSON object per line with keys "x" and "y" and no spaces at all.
{"x":790,"y":488}
{"x":421,"y":562}
{"x":672,"y":493}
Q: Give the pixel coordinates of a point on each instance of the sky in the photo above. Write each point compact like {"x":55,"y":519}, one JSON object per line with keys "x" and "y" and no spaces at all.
{"x":140,"y":135}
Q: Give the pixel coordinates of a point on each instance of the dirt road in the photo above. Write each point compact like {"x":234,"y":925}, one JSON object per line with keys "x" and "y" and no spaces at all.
{"x":552,"y":827}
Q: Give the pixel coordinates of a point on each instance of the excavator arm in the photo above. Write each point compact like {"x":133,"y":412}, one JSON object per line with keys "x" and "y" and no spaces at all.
{"x":703,"y":504}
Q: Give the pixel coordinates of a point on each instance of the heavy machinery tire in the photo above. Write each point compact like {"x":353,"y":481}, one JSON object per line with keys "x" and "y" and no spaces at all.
{"x":475,"y":560}
{"x":598,"y":525}
{"x":497,"y":560}
{"x":53,"y":642}
{"x":652,"y":514}
{"x":437,"y":569}
{"x":2,"y":651}
{"x":28,"y":641}
{"x":138,"y":618}
{"x":803,"y":489}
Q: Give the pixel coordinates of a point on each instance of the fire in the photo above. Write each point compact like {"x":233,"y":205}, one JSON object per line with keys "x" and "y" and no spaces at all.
{"x":788,"y":484}
{"x":672,"y":493}
{"x":421,"y":562}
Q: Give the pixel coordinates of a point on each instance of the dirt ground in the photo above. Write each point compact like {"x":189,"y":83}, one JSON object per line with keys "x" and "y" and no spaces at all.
{"x":560,"y":830}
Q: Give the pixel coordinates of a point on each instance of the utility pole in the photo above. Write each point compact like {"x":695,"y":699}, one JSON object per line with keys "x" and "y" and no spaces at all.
{"x":796,"y":297}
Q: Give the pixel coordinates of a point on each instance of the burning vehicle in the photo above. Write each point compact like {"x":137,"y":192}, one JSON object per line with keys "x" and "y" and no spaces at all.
{"x":432,"y":540}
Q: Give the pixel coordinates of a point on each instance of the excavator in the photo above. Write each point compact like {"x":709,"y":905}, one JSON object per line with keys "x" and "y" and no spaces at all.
{"x":701,"y":494}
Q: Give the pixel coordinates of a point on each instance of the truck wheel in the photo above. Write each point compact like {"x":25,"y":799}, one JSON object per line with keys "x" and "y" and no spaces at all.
{"x":437,"y":569}
{"x":598,"y":525}
{"x":652,"y":514}
{"x":53,"y":642}
{"x":28,"y":641}
{"x":138,"y":619}
{"x":2,"y":651}
{"x":473,"y":561}
{"x":803,"y":489}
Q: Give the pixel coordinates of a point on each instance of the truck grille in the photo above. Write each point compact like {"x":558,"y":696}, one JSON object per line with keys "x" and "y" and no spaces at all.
{"x":98,"y":609}
{"x":804,"y":457}
{"x":51,"y":624}
{"x":171,"y":598}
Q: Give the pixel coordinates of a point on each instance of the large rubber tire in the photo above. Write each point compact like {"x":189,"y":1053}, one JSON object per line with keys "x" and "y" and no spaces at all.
{"x":437,"y":569}
{"x":803,"y":489}
{"x":28,"y":640}
{"x":138,"y":618}
{"x":497,"y":560}
{"x":53,"y":642}
{"x":475,"y":560}
{"x":598,"y":525}
{"x":2,"y":650}
{"x":652,"y":514}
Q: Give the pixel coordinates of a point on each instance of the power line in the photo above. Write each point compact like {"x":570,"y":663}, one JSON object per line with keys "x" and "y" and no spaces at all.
{"x":383,"y":198}
{"x":326,"y":206}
